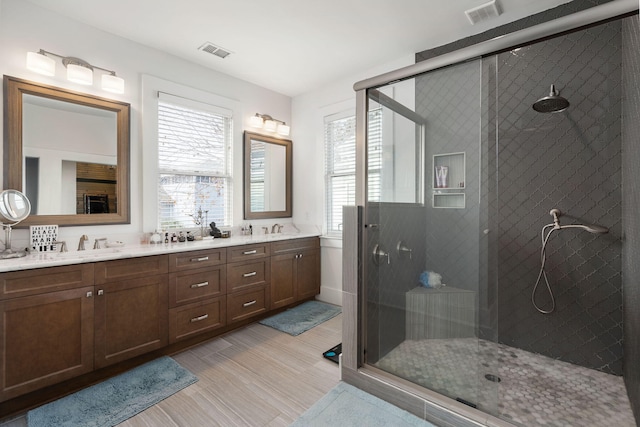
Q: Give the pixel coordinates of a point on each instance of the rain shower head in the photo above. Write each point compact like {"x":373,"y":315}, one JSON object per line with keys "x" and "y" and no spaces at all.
{"x":553,"y":103}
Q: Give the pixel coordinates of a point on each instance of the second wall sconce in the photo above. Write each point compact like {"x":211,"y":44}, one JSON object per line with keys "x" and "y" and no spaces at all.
{"x":78,"y":70}
{"x":270,"y":124}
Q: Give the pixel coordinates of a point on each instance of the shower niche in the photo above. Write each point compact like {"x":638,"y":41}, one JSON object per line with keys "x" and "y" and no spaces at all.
{"x":448,"y":181}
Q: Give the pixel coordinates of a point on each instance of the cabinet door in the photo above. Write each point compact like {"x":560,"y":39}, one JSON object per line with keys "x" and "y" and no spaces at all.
{"x":283,"y":272}
{"x":45,"y":339}
{"x":131,"y":318}
{"x":308,"y":274}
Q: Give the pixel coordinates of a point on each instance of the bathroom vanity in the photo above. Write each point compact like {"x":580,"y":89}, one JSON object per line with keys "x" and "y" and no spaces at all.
{"x":66,"y":316}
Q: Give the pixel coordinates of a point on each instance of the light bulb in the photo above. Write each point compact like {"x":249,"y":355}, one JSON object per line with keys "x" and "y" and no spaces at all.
{"x":256,"y":122}
{"x":283,"y":129}
{"x":270,"y":125}
{"x":112,"y":83}
{"x":41,"y":64}
{"x":79,"y":74}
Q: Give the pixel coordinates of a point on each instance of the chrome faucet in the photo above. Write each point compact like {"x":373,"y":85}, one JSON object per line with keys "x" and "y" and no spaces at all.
{"x":83,"y":239}
{"x":273,"y":229}
{"x":96,"y":244}
{"x":63,"y":245}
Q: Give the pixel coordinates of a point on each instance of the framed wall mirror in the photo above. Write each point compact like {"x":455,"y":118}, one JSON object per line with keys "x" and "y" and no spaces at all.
{"x":68,"y":152}
{"x":267,"y":176}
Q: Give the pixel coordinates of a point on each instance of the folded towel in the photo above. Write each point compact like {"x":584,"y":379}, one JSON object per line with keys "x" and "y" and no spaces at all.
{"x":429,"y":279}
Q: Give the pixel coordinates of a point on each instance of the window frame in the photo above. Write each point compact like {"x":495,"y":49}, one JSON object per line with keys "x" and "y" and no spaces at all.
{"x":151,"y":86}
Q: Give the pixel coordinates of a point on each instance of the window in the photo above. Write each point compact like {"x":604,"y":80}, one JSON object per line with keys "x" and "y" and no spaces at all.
{"x":194,"y":162}
{"x":340,"y":164}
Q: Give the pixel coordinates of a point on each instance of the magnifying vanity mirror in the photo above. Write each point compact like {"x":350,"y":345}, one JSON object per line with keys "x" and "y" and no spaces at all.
{"x":14,"y":208}
{"x":68,"y":152}
{"x":267,"y":176}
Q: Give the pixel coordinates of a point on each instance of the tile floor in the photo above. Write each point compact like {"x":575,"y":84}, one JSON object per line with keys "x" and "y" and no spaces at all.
{"x":534,"y":390}
{"x":254,"y":376}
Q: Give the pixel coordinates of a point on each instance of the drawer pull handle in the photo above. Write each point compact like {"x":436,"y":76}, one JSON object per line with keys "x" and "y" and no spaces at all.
{"x":204,"y":258}
{"x":199,"y":285}
{"x":250,"y":252}
{"x":247,"y":304}
{"x":253,"y":273}
{"x":199,"y":318}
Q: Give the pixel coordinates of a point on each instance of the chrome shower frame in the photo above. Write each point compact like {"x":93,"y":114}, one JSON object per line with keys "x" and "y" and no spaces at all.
{"x":354,"y":370}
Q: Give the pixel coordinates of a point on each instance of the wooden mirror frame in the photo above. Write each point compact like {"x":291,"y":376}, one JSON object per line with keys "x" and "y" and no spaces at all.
{"x":248,"y":213}
{"x":14,"y":88}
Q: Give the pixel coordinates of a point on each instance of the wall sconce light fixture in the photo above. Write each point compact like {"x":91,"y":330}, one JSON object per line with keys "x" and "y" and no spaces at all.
{"x":270,"y":124}
{"x":78,"y":70}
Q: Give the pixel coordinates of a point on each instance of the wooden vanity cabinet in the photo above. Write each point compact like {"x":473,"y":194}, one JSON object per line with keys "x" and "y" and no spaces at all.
{"x":295,"y":271}
{"x":131,"y":308}
{"x":46,"y":327}
{"x":197,"y":293}
{"x":57,"y":323}
{"x":248,"y":276}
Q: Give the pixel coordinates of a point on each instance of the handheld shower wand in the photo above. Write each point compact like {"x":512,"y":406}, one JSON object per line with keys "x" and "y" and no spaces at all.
{"x":556,"y":213}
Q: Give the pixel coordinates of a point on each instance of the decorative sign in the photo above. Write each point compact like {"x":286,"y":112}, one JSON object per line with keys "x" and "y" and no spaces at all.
{"x":42,"y":237}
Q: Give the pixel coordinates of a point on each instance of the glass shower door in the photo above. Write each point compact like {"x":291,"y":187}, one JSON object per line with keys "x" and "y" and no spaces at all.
{"x":424,"y":257}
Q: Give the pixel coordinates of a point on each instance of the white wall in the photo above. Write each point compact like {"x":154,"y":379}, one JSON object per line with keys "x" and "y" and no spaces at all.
{"x":308,"y":112}
{"x":25,"y":27}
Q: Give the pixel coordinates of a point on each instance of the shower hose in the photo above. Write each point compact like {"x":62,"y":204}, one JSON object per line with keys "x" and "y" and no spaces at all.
{"x":542,"y":274}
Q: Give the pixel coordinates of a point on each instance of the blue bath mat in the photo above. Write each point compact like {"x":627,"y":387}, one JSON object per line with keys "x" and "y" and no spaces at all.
{"x":302,"y":318}
{"x":347,"y":406}
{"x":116,"y":399}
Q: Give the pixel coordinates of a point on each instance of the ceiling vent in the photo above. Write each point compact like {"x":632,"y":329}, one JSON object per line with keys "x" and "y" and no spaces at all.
{"x":215,"y":50}
{"x":483,"y":12}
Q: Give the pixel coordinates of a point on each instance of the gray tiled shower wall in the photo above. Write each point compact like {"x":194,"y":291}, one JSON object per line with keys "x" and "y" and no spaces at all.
{"x":631,"y":207}
{"x":534,"y":163}
{"x":571,"y":161}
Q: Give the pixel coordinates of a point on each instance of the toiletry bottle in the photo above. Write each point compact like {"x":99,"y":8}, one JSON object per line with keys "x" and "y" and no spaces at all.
{"x":250,"y":230}
{"x":181,"y":237}
{"x":190,"y":237}
{"x":166,"y":238}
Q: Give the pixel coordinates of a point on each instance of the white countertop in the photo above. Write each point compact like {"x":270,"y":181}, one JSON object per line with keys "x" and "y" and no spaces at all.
{"x":52,"y":259}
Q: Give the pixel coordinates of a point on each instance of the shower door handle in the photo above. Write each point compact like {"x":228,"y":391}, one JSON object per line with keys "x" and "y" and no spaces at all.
{"x":380,"y":253}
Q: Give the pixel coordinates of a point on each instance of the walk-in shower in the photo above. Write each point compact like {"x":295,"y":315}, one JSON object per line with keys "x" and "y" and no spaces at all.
{"x":463,"y":171}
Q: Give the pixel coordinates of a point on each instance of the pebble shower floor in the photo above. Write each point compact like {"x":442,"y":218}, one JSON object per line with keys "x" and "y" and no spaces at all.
{"x":533,"y":389}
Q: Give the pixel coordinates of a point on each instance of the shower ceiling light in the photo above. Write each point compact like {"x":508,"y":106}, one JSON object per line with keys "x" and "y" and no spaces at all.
{"x":268,"y":123}
{"x":78,"y":70}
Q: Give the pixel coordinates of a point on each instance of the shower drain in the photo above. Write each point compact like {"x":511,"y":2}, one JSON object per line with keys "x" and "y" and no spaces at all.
{"x":493,"y":378}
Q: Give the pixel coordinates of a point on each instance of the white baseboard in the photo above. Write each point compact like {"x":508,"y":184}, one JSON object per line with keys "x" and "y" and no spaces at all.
{"x":330,"y":295}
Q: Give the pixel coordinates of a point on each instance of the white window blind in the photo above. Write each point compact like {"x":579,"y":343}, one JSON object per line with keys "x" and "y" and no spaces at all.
{"x":194,"y":162}
{"x":340,"y":164}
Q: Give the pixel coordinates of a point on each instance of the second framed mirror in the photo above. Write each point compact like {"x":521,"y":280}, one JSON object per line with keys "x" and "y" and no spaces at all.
{"x":267,"y":176}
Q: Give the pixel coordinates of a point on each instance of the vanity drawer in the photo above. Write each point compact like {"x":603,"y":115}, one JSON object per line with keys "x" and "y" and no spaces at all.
{"x":37,"y":281}
{"x":196,"y":318}
{"x":189,"y":287}
{"x":245,"y":252}
{"x":121,"y":269}
{"x":245,"y":274}
{"x":244,"y":304}
{"x":294,"y":245}
{"x":197,"y":259}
